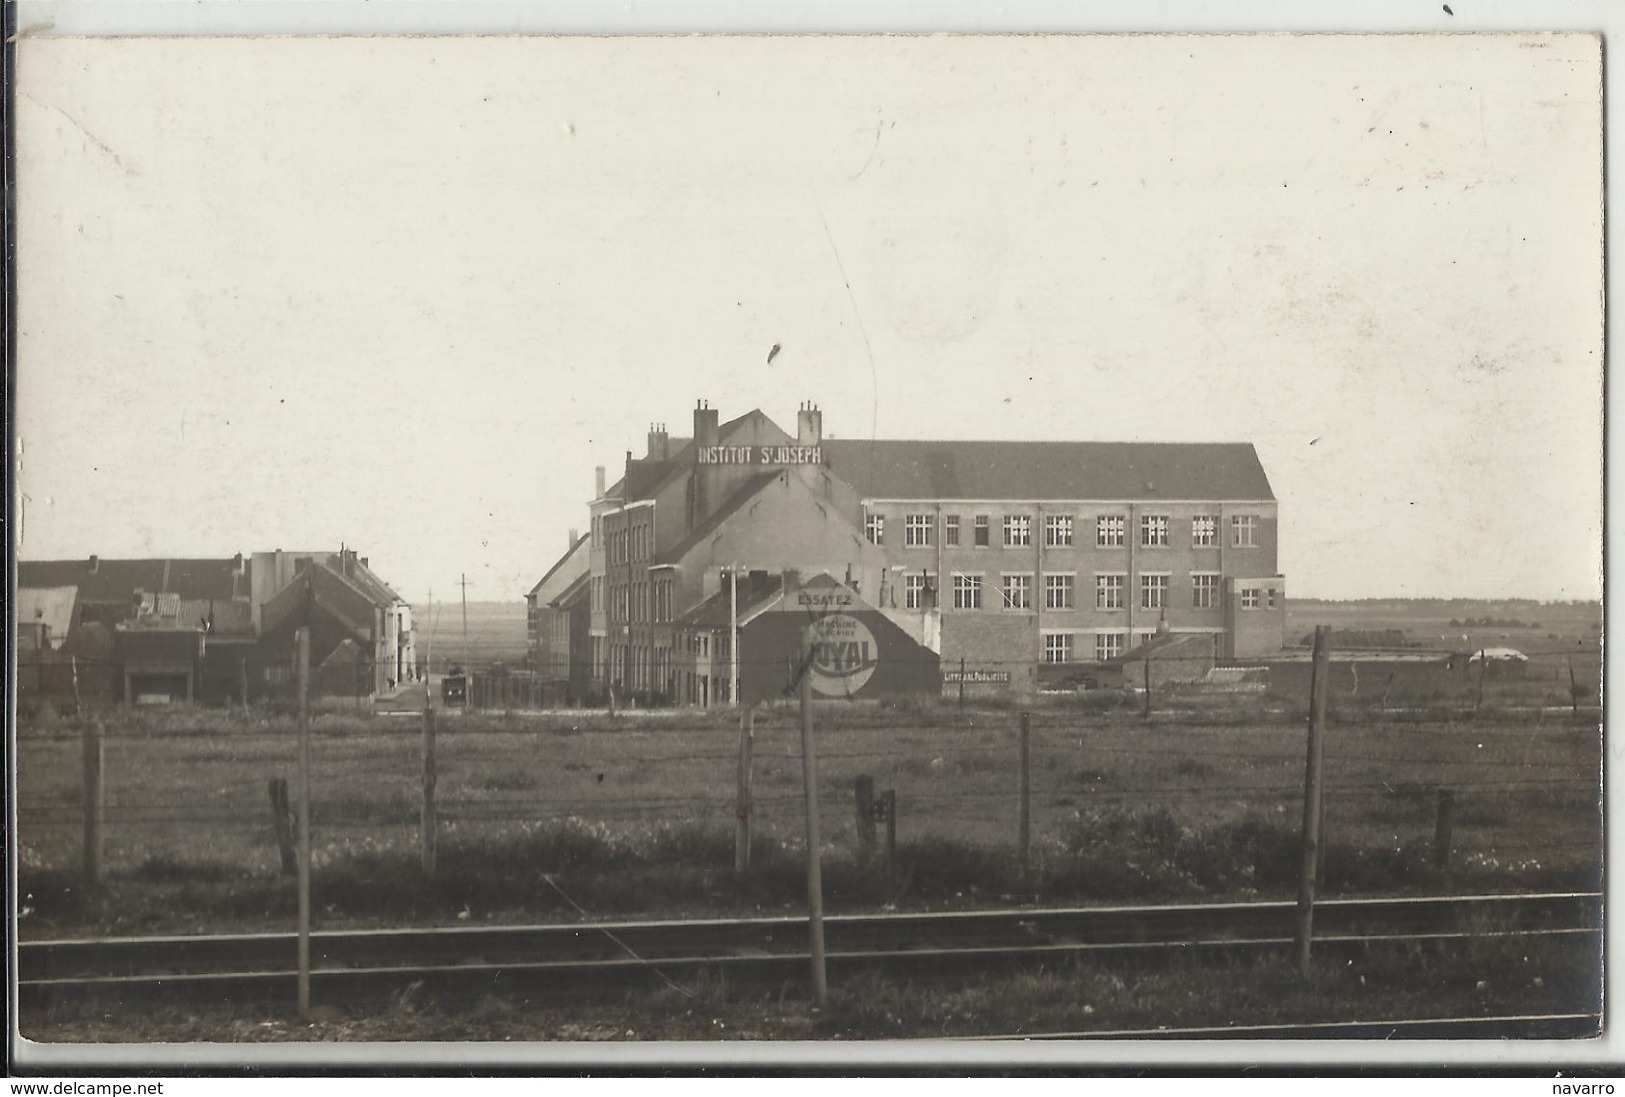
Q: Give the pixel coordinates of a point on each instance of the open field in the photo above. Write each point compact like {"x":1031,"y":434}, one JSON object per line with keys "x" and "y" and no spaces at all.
{"x":1484,"y":979}
{"x":636,"y":814}
{"x":496,"y":633}
{"x":1549,"y":628}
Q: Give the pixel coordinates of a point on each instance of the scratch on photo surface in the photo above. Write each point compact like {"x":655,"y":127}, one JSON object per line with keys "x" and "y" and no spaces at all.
{"x":91,"y":137}
{"x":874,"y":382}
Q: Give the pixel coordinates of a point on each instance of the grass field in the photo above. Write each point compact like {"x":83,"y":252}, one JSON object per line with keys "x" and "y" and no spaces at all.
{"x":636,"y":814}
{"x":496,"y":633}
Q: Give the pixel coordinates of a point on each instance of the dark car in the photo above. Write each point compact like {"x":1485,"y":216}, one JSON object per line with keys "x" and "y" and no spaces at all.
{"x":454,"y":687}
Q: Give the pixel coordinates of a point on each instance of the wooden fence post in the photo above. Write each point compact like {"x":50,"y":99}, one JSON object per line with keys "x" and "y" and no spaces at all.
{"x":743,"y":807}
{"x":1024,"y":802}
{"x":1443,"y":826}
{"x":1148,"y":688}
{"x":809,"y":772}
{"x":1318,"y":688}
{"x":242,"y":684}
{"x":95,"y":804}
{"x":863,"y":796}
{"x":1483,"y":666}
{"x":962,"y":682}
{"x":282,"y":826}
{"x":429,"y":821}
{"x":79,"y":708}
{"x":889,"y":798}
{"x":303,"y":664}
{"x":1574,"y":689}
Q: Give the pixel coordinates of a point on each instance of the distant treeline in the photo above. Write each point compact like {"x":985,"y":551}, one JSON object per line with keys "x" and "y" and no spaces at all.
{"x":1364,"y":638}
{"x":1492,"y":622}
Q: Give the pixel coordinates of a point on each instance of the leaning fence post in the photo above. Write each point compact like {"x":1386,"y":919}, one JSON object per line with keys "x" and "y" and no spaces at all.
{"x":282,"y":825}
{"x":863,"y":796}
{"x":95,"y":803}
{"x":1318,"y":688}
{"x":743,"y":794}
{"x":889,"y":798}
{"x":429,"y":823}
{"x":1024,"y":801}
{"x":1443,"y":826}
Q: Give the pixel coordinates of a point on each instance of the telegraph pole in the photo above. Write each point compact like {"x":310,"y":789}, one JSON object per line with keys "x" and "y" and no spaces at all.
{"x":733,"y":640}
{"x":467,"y":659}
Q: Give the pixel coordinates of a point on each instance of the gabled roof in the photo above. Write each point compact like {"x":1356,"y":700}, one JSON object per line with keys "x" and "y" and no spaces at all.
{"x":575,"y":592}
{"x":717,"y":610}
{"x":48,"y":606}
{"x":892,"y":469}
{"x":1166,"y":644}
{"x":730,"y":506}
{"x":117,"y":580}
{"x":580,"y":543}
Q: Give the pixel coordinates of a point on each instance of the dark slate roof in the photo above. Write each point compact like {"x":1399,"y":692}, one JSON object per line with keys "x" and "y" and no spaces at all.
{"x":717,"y":610}
{"x":730,"y":506}
{"x":117,"y":580}
{"x":574,"y":592}
{"x":890,"y":469}
{"x":562,"y":560}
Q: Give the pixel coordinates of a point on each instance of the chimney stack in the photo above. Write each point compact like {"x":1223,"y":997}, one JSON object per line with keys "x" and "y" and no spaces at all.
{"x":598,"y":481}
{"x":659,"y":442}
{"x":95,"y":563}
{"x":574,"y":537}
{"x":809,"y":425}
{"x":705,"y":424}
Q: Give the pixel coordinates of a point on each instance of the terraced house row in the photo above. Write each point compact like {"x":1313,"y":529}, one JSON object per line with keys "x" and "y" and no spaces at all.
{"x":1014,"y":560}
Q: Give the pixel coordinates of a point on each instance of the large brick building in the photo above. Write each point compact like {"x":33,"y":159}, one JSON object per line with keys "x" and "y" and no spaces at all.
{"x":1001,"y":556}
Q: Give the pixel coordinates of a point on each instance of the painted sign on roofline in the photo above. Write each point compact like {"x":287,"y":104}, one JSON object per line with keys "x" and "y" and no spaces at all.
{"x":759,"y":455}
{"x":977,"y":677}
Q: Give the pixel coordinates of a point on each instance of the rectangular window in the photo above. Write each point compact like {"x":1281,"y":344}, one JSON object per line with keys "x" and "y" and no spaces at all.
{"x":1204,"y":531}
{"x":874,"y":528}
{"x":950,"y":529}
{"x":1108,"y":645}
{"x":1204,"y":590}
{"x":1109,"y":591}
{"x":917,"y":530}
{"x":918,"y":592}
{"x":1153,"y":592}
{"x":981,"y":531}
{"x":1057,"y":530}
{"x":1271,"y":594}
{"x":1249,"y":598}
{"x":1244,"y":530}
{"x":967,"y":592}
{"x":1110,"y":531}
{"x":1057,"y":592}
{"x":1154,"y":530}
{"x":1018,"y":530}
{"x":1018,"y":592}
{"x":1058,"y":647}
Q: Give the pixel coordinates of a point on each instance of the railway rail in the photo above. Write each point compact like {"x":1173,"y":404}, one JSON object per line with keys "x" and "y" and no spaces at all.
{"x":592,"y":959}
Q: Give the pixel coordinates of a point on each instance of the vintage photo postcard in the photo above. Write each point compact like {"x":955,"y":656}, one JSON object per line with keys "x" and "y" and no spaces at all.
{"x":696,"y":543}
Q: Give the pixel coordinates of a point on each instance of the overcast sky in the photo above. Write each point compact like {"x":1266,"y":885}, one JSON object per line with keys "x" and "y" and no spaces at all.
{"x":405,"y":294}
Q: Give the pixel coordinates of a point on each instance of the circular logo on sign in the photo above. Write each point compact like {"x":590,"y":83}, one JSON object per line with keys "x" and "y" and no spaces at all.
{"x":844,"y":655}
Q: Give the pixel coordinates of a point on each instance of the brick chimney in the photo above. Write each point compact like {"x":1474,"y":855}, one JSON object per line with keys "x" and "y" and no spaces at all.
{"x":598,"y":481}
{"x":809,"y":425}
{"x":574,"y":537}
{"x":95,"y":563}
{"x":659,"y":442}
{"x":705,"y":424}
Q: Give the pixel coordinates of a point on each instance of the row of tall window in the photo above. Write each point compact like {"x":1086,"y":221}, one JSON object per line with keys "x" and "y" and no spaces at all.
{"x":1111,"y":530}
{"x":645,"y":601}
{"x":630,"y":543}
{"x":1060,"y":591}
{"x":1062,"y":647}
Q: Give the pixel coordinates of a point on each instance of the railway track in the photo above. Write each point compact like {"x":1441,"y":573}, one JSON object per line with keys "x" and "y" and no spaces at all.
{"x":594,"y":959}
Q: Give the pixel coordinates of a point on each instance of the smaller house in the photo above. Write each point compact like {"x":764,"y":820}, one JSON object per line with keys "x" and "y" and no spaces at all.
{"x":858,"y":651}
{"x":1168,"y":658}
